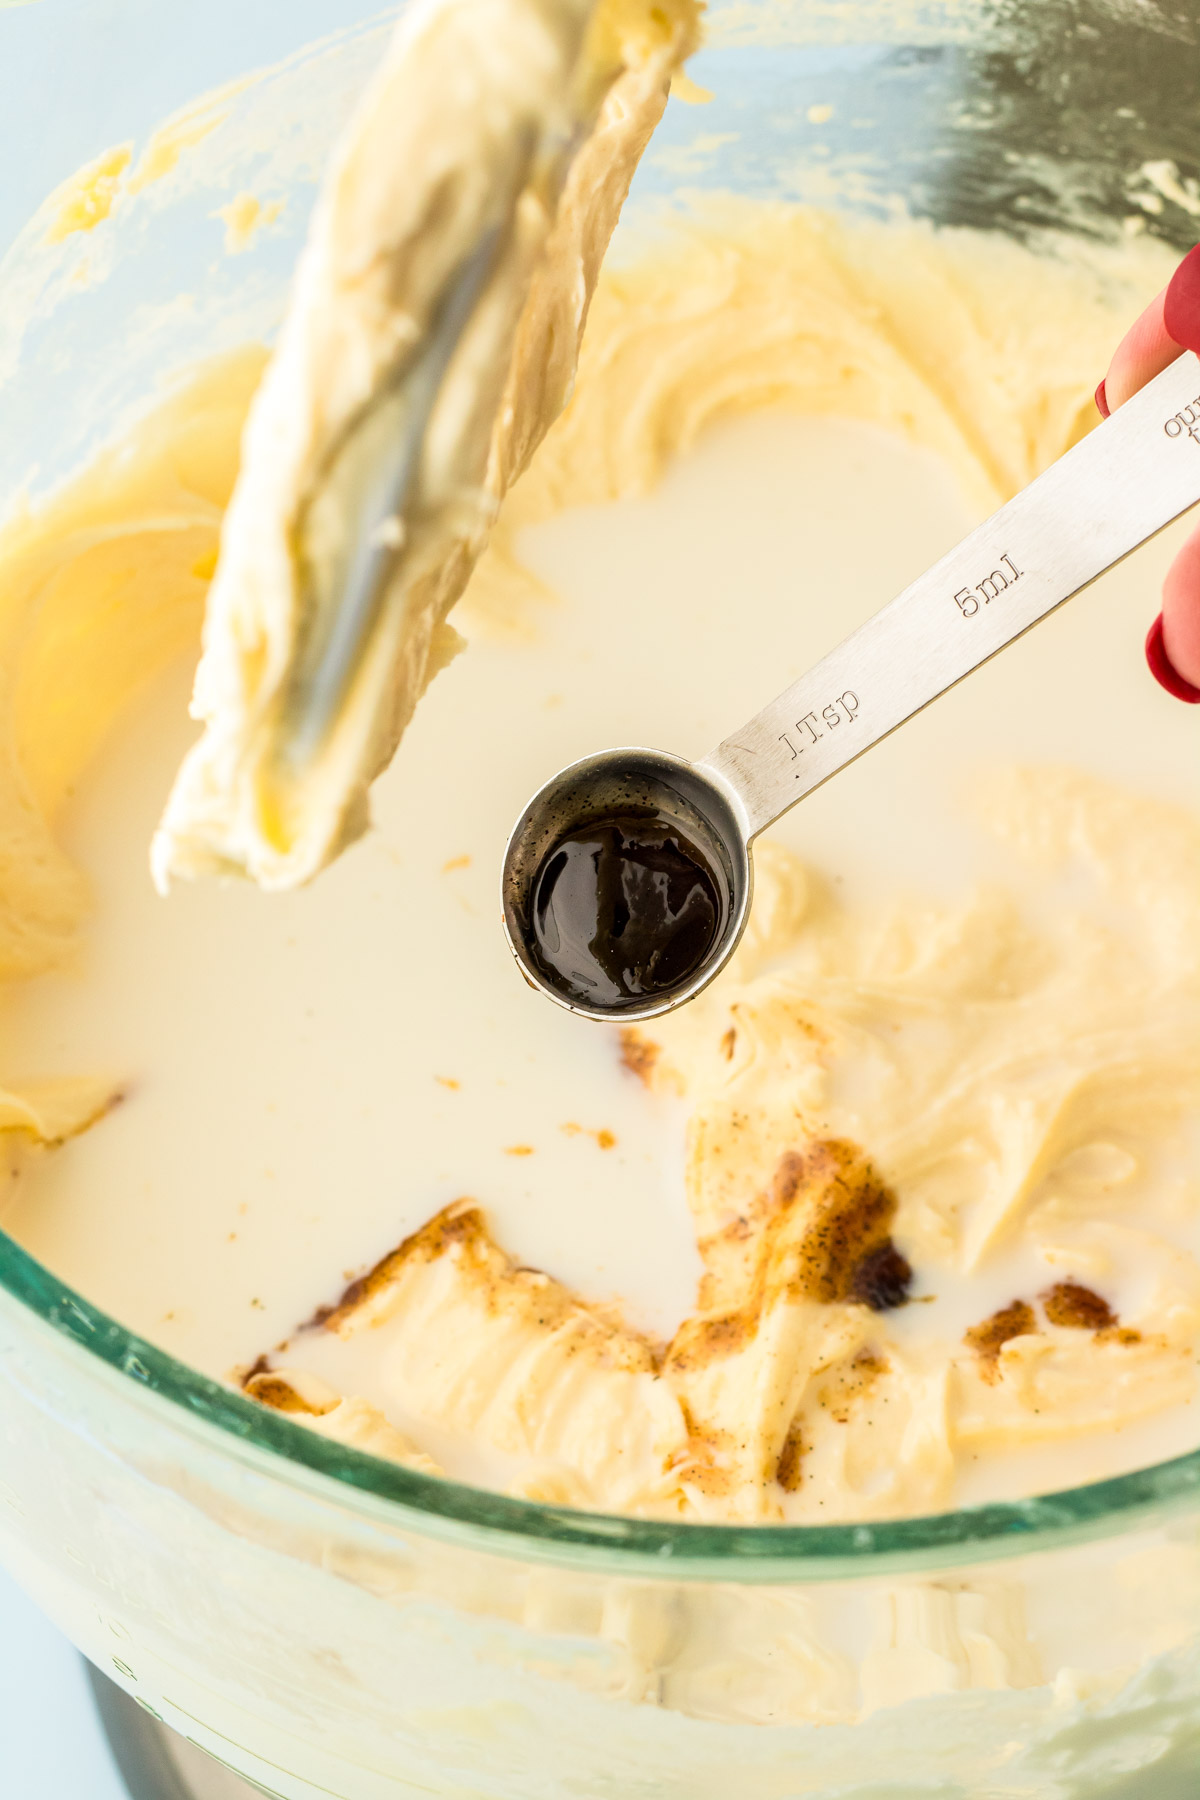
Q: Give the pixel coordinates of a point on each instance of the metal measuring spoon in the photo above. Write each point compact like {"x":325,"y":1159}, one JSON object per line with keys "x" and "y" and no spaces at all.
{"x":659,"y":848}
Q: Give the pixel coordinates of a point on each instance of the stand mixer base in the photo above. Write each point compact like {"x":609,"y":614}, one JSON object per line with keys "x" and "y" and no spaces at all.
{"x":155,"y":1763}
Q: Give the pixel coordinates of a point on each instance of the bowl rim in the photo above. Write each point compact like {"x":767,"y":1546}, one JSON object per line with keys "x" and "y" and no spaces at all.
{"x":386,"y":1493}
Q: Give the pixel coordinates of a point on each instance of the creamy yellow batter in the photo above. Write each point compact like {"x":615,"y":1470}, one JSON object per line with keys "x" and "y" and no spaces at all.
{"x":500,"y":130}
{"x":99,"y":589}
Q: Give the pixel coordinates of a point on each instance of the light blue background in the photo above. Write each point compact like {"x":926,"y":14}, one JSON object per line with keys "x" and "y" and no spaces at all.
{"x":51,"y":1746}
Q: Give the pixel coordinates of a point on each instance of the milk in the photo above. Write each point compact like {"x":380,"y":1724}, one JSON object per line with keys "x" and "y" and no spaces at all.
{"x":308,"y":1077}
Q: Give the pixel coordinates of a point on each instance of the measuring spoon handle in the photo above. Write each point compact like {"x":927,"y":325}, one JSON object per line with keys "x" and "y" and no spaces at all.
{"x":1125,"y":481}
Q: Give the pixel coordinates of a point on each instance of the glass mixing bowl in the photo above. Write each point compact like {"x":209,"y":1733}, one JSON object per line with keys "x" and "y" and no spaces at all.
{"x":327,"y":1624}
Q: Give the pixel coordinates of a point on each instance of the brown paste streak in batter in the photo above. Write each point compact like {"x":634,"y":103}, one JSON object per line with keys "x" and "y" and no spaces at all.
{"x":827,"y":1215}
{"x":276,"y":1392}
{"x":989,"y":1338}
{"x":1068,"y":1304}
{"x":639,"y":1054}
{"x":826,"y":1218}
{"x":789,"y":1471}
{"x":460,"y":1230}
{"x":1071,"y":1304}
{"x":458,"y":1224}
